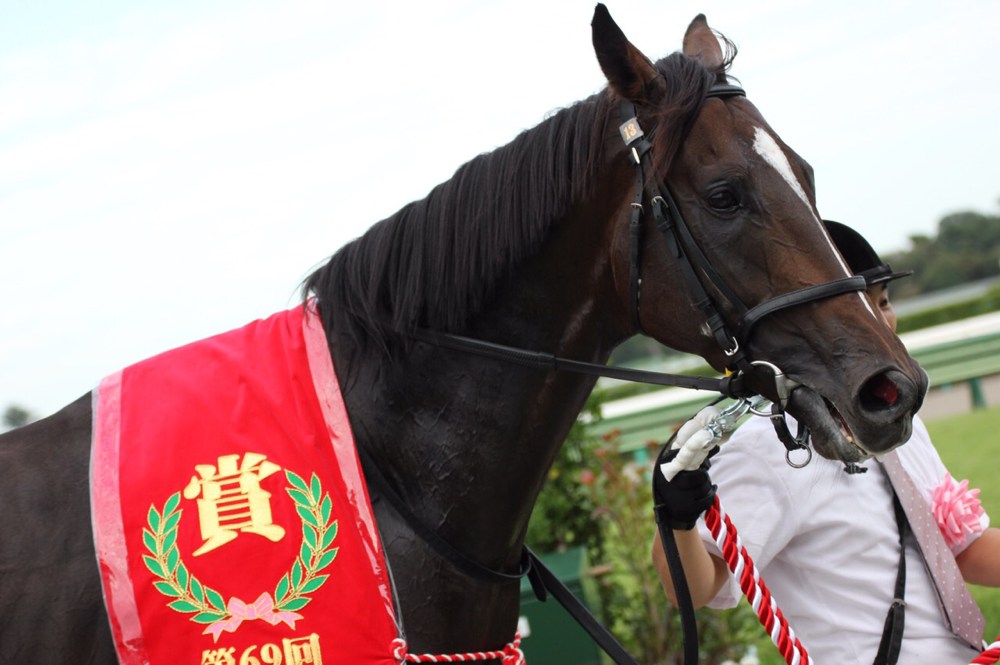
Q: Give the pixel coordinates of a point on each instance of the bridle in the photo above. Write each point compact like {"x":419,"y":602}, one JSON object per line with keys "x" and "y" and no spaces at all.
{"x":698,"y":272}
{"x":694,"y":264}
{"x":670,"y":222}
{"x":696,"y":269}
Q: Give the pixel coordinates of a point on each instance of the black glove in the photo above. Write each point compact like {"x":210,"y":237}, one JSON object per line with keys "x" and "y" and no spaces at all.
{"x":678,"y":503}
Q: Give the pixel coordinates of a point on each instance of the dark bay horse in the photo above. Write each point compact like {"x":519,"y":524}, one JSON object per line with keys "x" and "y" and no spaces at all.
{"x":527,"y":246}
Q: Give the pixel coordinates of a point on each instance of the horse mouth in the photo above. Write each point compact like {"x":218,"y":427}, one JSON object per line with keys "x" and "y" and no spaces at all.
{"x":831,"y":436}
{"x":845,"y":429}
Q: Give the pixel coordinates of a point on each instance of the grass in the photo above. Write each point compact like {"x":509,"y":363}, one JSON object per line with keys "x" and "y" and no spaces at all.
{"x":969,"y":445}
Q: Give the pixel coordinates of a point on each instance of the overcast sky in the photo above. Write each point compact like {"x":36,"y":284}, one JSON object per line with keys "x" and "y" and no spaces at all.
{"x":170,"y":170}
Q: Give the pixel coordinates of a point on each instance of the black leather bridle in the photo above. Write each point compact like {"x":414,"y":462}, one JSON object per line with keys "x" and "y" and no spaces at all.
{"x":696,"y":269}
{"x":694,"y":264}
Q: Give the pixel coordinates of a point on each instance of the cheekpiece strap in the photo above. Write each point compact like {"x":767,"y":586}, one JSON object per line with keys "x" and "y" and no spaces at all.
{"x":639,"y":146}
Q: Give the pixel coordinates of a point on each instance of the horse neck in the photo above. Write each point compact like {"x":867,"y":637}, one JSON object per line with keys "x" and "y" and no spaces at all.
{"x":469,"y":441}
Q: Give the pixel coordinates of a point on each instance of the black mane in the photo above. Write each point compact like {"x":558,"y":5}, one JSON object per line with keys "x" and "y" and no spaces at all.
{"x":435,"y":263}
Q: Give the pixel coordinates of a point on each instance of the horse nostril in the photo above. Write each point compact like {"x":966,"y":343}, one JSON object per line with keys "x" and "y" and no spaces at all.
{"x":879,"y":393}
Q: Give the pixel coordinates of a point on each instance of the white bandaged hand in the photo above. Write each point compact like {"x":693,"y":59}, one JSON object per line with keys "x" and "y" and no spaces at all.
{"x":693,"y":443}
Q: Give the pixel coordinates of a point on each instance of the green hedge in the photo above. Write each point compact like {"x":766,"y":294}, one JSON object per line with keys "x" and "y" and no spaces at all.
{"x":988,"y":302}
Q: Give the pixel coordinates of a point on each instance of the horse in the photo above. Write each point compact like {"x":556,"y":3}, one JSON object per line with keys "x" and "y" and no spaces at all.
{"x":531,"y":245}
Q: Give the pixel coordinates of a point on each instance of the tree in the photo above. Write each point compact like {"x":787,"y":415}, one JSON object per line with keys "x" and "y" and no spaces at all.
{"x":17,"y":416}
{"x":966,"y":248}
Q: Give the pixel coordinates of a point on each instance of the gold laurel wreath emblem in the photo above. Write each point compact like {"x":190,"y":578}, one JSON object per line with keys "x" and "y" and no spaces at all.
{"x":293,"y":589}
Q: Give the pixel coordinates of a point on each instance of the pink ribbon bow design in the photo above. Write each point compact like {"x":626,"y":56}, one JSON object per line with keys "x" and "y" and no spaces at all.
{"x":956,"y":510}
{"x":262,"y":608}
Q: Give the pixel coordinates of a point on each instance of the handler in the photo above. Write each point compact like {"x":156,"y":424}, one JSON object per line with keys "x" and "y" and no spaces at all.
{"x":827,"y":543}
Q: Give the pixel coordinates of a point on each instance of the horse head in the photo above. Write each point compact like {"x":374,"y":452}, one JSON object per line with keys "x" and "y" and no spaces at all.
{"x":748,"y":203}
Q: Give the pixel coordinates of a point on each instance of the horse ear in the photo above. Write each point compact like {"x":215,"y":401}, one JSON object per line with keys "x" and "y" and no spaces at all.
{"x":630,"y":73}
{"x":701,"y":44}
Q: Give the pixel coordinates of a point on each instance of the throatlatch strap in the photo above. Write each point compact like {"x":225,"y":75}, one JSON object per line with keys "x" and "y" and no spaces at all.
{"x":675,"y":220}
{"x":667,"y":224}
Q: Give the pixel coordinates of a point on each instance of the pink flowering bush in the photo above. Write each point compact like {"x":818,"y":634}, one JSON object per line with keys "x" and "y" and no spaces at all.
{"x":957,"y":510}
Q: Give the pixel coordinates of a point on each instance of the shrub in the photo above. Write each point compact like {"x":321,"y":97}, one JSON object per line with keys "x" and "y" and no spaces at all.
{"x":611,"y":493}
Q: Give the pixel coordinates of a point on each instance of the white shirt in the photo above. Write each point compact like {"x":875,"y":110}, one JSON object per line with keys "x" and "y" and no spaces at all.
{"x":827,"y":546}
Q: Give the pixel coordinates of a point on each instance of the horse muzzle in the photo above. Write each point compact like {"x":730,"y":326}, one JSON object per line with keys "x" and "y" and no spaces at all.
{"x":875,"y":420}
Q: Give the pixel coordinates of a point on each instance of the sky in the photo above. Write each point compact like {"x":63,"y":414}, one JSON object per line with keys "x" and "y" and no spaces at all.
{"x":169,"y":171}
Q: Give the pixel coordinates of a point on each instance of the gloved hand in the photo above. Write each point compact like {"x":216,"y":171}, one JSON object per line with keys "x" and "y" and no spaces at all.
{"x":678,"y":503}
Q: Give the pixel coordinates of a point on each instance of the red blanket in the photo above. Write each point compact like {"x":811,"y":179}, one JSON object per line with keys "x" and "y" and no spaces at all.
{"x":231,"y":518}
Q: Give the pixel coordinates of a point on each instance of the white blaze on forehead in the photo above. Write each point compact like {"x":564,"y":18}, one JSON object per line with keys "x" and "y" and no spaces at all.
{"x":765,"y":146}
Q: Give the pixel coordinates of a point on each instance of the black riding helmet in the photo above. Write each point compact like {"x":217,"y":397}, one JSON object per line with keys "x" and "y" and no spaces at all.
{"x":860,"y":256}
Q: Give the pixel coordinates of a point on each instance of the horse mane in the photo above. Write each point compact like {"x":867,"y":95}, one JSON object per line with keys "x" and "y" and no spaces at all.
{"x":436,"y":262}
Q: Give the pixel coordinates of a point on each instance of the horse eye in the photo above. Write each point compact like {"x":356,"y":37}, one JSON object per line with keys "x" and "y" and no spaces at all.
{"x":723,"y":200}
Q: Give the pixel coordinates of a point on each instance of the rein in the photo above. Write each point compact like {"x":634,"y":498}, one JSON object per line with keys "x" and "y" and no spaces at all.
{"x":543,"y":581}
{"x":729,"y":386}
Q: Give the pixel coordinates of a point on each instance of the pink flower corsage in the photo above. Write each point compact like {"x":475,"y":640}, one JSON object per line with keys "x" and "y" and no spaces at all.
{"x":957,"y":510}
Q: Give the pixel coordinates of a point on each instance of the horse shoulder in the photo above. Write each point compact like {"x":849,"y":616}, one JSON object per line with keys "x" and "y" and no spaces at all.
{"x":51,"y":604}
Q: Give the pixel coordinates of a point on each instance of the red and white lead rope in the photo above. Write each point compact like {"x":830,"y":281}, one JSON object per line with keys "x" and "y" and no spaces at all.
{"x":990,"y":655}
{"x":695,"y":439}
{"x":753,"y":587}
{"x":511,"y":654}
{"x":764,"y":605}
